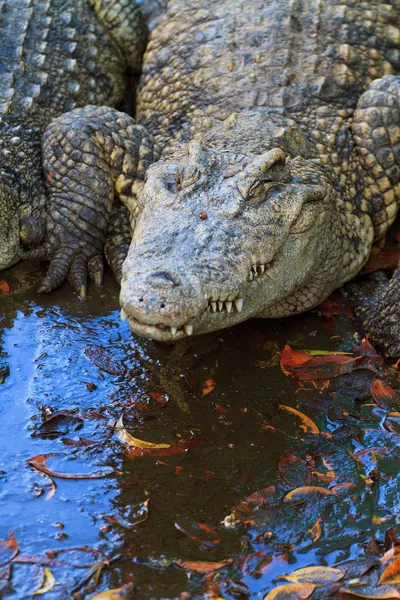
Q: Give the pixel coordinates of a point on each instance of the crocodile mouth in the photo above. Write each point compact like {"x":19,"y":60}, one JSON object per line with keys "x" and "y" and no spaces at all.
{"x":216,"y":309}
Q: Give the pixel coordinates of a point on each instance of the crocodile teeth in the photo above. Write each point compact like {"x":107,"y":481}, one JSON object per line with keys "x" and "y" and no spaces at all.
{"x":220,"y":306}
{"x":214,"y":306}
{"x":188,"y":329}
{"x":239,"y":304}
{"x":174,"y":330}
{"x":251,"y":276}
{"x":228,"y":306}
{"x":254,"y":269}
{"x":124,"y":316}
{"x":262,"y":269}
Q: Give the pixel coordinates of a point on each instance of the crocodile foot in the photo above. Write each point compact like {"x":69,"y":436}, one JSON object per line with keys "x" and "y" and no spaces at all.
{"x":94,"y":162}
{"x":377,"y":309}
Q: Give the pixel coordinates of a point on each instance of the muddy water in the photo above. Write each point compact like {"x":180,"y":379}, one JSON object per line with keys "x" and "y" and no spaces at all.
{"x":77,"y":358}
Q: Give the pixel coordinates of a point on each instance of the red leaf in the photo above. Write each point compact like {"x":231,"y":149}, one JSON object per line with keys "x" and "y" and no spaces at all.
{"x":293,"y":470}
{"x":160,"y":398}
{"x":386,"y":259}
{"x":101,"y":358}
{"x":39,"y":463}
{"x":382,"y":393}
{"x":8,"y":549}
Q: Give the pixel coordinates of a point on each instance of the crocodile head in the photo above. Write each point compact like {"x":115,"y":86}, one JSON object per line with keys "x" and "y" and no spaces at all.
{"x":223,"y":237}
{"x":10,"y":247}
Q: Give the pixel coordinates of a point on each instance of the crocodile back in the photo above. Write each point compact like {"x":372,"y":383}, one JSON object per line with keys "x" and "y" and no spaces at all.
{"x":54,"y":56}
{"x":209,"y":59}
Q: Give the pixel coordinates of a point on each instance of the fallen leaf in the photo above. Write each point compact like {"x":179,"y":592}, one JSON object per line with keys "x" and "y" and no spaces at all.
{"x":139,"y":516}
{"x":48,"y":584}
{"x":303,"y":493}
{"x":38,"y":462}
{"x":385,"y":259}
{"x":208,"y":386}
{"x":384,"y":395}
{"x":306,"y":424}
{"x":315,"y":575}
{"x":126,"y":438}
{"x":58,"y":424}
{"x":392,"y":572}
{"x":121,"y":593}
{"x":8,"y":549}
{"x":4,"y":287}
{"x":291,"y":591}
{"x":5,"y":576}
{"x":196,"y":538}
{"x":315,"y":531}
{"x":203,"y":566}
{"x":101,"y":358}
{"x":300,"y":365}
{"x":293,"y":470}
{"x":371,"y":592}
{"x":178,"y":448}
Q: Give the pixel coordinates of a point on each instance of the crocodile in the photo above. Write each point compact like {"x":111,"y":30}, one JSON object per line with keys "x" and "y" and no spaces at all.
{"x":273,"y":129}
{"x":56,"y":56}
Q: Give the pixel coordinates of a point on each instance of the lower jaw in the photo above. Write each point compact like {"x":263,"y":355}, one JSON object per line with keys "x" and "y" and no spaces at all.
{"x":154,"y":332}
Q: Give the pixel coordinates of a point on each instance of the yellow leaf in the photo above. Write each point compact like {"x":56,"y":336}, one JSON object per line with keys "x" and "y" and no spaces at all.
{"x":291,"y":591}
{"x":315,"y":531}
{"x":307,"y":425}
{"x":203,"y":566}
{"x":114,"y":594}
{"x":314,"y":575}
{"x":127,"y":438}
{"x":392,"y":572}
{"x":302,"y":492}
{"x":48,"y":583}
{"x":208,"y":386}
{"x":324,"y":352}
{"x":372,"y":592}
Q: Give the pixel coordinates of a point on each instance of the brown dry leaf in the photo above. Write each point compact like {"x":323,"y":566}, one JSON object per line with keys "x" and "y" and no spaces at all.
{"x":8,"y":549}
{"x":208,"y":386}
{"x":301,"y":493}
{"x":48,"y":583}
{"x":392,"y":572}
{"x":203,"y":566}
{"x":5,"y":576}
{"x":315,"y":531}
{"x":291,"y":591}
{"x":315,"y":575}
{"x":304,"y":367}
{"x":307,"y":425}
{"x":372,"y":592}
{"x":38,"y":462}
{"x":127,"y":438}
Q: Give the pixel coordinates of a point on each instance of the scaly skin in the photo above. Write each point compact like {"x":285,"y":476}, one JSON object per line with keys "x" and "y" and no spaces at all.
{"x":56,"y":55}
{"x":279,"y":124}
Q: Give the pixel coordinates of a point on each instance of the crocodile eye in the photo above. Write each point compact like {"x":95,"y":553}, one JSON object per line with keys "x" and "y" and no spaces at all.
{"x":258,"y":192}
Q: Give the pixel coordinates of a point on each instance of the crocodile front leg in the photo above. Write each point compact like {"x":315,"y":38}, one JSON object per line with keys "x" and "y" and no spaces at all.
{"x":89,"y":154}
{"x":376,"y":129}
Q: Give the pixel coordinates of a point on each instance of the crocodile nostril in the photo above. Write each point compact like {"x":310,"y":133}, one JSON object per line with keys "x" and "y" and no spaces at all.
{"x":140,"y":299}
{"x":162,"y":305}
{"x":163,"y":279}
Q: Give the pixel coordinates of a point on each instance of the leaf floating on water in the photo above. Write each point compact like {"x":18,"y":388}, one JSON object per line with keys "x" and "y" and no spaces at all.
{"x":203,"y":566}
{"x":4,"y":287}
{"x":315,"y":531}
{"x":307,"y":493}
{"x":39,"y":463}
{"x":372,"y":592}
{"x":59,"y":424}
{"x":291,"y":591}
{"x":208,"y":386}
{"x":121,"y":593}
{"x":5,"y":576}
{"x":307,"y":425}
{"x":48,"y":584}
{"x":180,"y":447}
{"x":384,"y":395}
{"x":392,"y":572}
{"x":102,"y":359}
{"x":293,"y":469}
{"x":127,"y":438}
{"x":317,"y":575}
{"x":8,"y":549}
